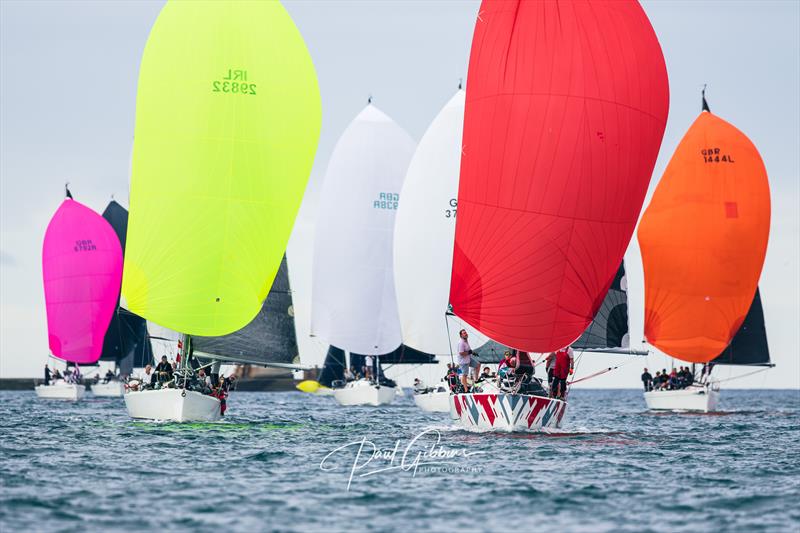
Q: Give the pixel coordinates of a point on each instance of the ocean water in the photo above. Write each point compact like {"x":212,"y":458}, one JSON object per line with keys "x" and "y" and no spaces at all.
{"x":294,"y":462}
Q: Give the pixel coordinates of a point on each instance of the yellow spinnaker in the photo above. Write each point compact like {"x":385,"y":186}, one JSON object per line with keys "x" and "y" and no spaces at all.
{"x":228,"y":116}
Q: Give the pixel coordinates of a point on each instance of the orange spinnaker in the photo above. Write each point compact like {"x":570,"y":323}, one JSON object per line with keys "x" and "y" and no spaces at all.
{"x":703,"y":240}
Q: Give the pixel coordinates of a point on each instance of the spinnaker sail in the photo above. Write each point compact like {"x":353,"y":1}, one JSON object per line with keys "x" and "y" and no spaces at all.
{"x":227,"y":121}
{"x":82,"y":272}
{"x":703,"y":240}
{"x":353,"y":294}
{"x":566,"y":107}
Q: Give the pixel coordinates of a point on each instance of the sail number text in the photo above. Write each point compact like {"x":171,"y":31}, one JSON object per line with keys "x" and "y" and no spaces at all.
{"x":712,"y":155}
{"x":451,"y":213}
{"x":234,"y":82}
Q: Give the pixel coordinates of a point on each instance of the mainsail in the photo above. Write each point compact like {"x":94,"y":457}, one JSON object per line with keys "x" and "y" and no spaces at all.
{"x":353,"y":295}
{"x":749,"y":345}
{"x":268,"y":338}
{"x":703,"y":240}
{"x":227,"y":121}
{"x":609,"y":328}
{"x":333,"y":368}
{"x":126,"y":341}
{"x":423,"y":235}
{"x":82,"y":271}
{"x":566,"y":107}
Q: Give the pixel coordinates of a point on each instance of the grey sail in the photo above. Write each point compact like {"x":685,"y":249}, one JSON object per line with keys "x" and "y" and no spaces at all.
{"x":490,"y":353}
{"x":609,"y":329}
{"x":749,"y":345}
{"x":268,"y":339}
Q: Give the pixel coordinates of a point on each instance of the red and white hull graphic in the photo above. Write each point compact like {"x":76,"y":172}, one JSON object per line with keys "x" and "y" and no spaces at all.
{"x":506,"y":412}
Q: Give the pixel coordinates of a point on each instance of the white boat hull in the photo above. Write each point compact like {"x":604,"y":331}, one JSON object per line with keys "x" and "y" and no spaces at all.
{"x":433,"y":402}
{"x":364,"y":393}
{"x":112,"y":389}
{"x":506,"y":412}
{"x":695,"y":398}
{"x":61,"y":391}
{"x":176,"y":405}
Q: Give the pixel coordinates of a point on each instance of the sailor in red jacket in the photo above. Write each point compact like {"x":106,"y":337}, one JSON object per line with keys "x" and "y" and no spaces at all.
{"x":564,"y":366}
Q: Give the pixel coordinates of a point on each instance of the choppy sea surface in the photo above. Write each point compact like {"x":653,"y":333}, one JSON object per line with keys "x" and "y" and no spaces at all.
{"x":611,"y":467}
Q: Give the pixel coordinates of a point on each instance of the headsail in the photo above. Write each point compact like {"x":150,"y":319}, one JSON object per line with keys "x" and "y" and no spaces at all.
{"x":749,"y":345}
{"x":82,"y":271}
{"x":565,"y":111}
{"x":268,"y":338}
{"x":126,"y":341}
{"x":227,"y":122}
{"x":703,"y":240}
{"x":424,"y":233}
{"x":353,"y":295}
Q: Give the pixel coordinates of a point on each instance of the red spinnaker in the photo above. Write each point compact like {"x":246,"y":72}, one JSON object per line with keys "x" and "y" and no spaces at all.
{"x":566,"y":108}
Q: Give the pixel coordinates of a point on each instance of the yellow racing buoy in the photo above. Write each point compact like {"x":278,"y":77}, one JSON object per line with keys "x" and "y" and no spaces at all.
{"x":308,"y":385}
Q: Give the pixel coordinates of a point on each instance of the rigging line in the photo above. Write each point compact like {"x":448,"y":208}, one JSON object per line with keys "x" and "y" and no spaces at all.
{"x":449,"y":341}
{"x":745,"y":375}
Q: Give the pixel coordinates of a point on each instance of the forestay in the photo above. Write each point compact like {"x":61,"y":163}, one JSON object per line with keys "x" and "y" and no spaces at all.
{"x":423,"y":236}
{"x":227,"y":121}
{"x":566,"y":107}
{"x":353,"y":295}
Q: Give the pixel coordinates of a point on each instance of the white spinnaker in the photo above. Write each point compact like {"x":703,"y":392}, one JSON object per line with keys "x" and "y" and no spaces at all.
{"x":424,"y":235}
{"x":353,"y":298}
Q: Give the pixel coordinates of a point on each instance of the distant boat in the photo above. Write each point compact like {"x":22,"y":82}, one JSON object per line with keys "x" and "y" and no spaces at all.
{"x":703,"y":240}
{"x":562,"y":127}
{"x":126,"y":343}
{"x":82,"y":271}
{"x":354,"y":304}
{"x":227,"y":122}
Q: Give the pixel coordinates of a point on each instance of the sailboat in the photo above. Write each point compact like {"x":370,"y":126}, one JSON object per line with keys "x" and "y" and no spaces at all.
{"x":227,"y":121}
{"x":423,"y":245}
{"x":562,"y":127}
{"x":703,"y":240}
{"x":126,"y":343}
{"x":82,"y":272}
{"x":354,"y":307}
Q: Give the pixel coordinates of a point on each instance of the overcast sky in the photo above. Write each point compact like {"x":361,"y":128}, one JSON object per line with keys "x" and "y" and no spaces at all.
{"x":67,"y":102}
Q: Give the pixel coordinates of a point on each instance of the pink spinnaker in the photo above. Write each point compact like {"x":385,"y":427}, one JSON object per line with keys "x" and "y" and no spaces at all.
{"x":82,"y":270}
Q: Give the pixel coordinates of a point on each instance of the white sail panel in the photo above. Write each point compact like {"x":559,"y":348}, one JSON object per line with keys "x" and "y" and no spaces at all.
{"x":353,"y":298}
{"x":424,"y":233}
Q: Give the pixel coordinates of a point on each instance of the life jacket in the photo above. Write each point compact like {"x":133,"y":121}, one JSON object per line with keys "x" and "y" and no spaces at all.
{"x":561,"y":369}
